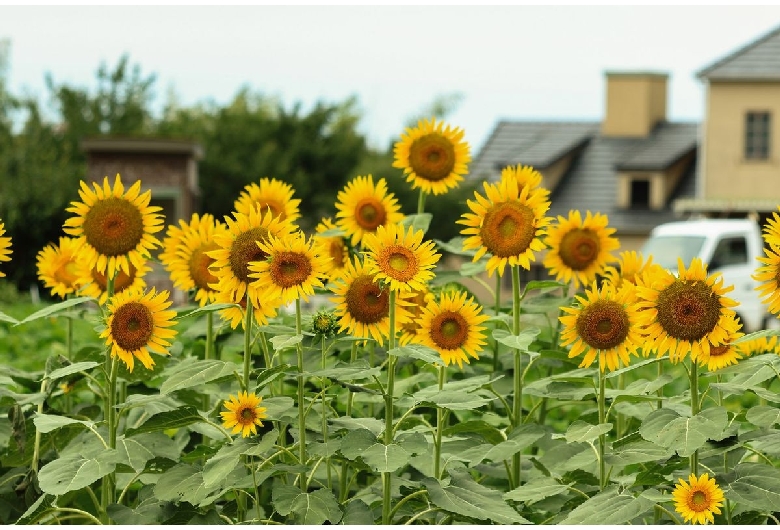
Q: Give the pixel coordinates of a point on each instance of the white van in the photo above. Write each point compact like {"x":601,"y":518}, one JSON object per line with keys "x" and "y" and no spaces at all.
{"x":728,"y":246}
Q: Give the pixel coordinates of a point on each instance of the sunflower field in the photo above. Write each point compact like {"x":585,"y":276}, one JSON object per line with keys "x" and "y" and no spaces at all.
{"x":349,"y":377}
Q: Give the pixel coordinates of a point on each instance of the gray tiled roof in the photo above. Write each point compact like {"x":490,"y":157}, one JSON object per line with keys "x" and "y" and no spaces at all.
{"x":758,"y":60}
{"x":665,"y":146}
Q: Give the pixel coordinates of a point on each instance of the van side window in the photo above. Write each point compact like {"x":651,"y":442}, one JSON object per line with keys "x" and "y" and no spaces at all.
{"x":730,"y":251}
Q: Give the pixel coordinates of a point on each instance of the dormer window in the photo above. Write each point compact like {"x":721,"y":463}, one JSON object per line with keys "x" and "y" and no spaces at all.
{"x":640,"y":193}
{"x":757,"y":128}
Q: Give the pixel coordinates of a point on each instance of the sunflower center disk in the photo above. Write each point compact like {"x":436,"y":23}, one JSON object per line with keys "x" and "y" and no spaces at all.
{"x":247,"y":416}
{"x":366,"y":302}
{"x":370,"y":213}
{"x":688,"y":310}
{"x":132,"y":326}
{"x":199,"y":266}
{"x":449,"y":330}
{"x":698,"y":501}
{"x":508,"y":229}
{"x":399,"y":263}
{"x":114,"y":226}
{"x":244,"y":250}
{"x":290,"y":269}
{"x":603,"y":324}
{"x":579,"y":248}
{"x":432,"y":157}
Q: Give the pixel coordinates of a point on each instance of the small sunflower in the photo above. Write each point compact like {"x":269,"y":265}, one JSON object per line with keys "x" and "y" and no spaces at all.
{"x":400,"y":258}
{"x":433,"y":157}
{"x":605,"y":324}
{"x":243,"y":413}
{"x":363,"y":207}
{"x":453,"y":327}
{"x":759,"y":346}
{"x":724,"y":354}
{"x":186,"y":258}
{"x":114,"y":228}
{"x":363,"y":306}
{"x":525,"y":176}
{"x":292,"y":269}
{"x":768,"y":276}
{"x":508,"y":223}
{"x":262,"y":309}
{"x":137,"y":323}
{"x":419,"y":299}
{"x":57,"y":267}
{"x":631,"y":265}
{"x":272,"y":194}
{"x":334,"y":246}
{"x":5,"y":247}
{"x":685,"y":313}
{"x":580,"y":249}
{"x":238,"y":248}
{"x":92,"y":283}
{"x":698,"y":500}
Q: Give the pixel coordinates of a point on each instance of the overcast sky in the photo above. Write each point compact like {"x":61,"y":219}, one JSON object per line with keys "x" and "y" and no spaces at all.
{"x":508,"y":62}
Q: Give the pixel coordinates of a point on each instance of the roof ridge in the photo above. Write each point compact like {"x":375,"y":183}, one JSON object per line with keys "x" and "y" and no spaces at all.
{"x":739,"y":51}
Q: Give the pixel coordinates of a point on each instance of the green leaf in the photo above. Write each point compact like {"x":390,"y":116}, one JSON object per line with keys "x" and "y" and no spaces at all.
{"x":536,"y":490}
{"x":357,"y":441}
{"x":180,"y":417}
{"x":282,"y":342}
{"x":371,"y":424}
{"x":277,"y":407}
{"x":75,"y":472}
{"x":418,"y":351}
{"x":258,"y":448}
{"x":72,"y":369}
{"x":668,"y":429}
{"x":357,"y":512}
{"x":465,"y":497}
{"x":360,"y":369}
{"x":454,"y":246}
{"x":55,"y":308}
{"x":219,"y":466}
{"x":609,"y":507}
{"x":547,"y":285}
{"x":37,"y":509}
{"x":763,"y":416}
{"x":310,"y":508}
{"x":520,"y":342}
{"x":385,"y":458}
{"x":9,"y":319}
{"x":50,"y":422}
{"x":207,"y":309}
{"x":631,"y":367}
{"x":519,"y":439}
{"x":469,"y":269}
{"x":579,"y":431}
{"x":456,"y":400}
{"x":270,"y":374}
{"x":192,"y":372}
{"x":420,"y":221}
{"x":136,"y":451}
{"x":148,"y":512}
{"x":637,"y":452}
{"x":755,"y":485}
{"x":758,"y":335}
{"x":488,"y":432}
{"x":181,"y":483}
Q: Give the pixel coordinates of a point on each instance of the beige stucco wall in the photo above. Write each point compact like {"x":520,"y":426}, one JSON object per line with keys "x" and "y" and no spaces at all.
{"x":635,"y":103}
{"x":727,"y":173}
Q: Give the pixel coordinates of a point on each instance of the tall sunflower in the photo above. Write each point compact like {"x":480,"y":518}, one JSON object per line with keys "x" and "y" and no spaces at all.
{"x":95,"y":284}
{"x":238,"y":248}
{"x":768,"y":276}
{"x":433,"y":156}
{"x":5,"y":247}
{"x":508,"y":223}
{"x":630,"y":266}
{"x":363,"y":207}
{"x":400,"y":258}
{"x":262,"y":309}
{"x":243,"y":413}
{"x":363,"y":306}
{"x":453,"y":327}
{"x":292,"y":269}
{"x":685,"y":313}
{"x":604,"y":324}
{"x":334,"y":246}
{"x":579,"y":249}
{"x":57,"y":267}
{"x":724,"y":354}
{"x":271,"y":194}
{"x":114,"y":228}
{"x":138,"y":323}
{"x":419,"y":299}
{"x":698,"y":499}
{"x":186,"y":258}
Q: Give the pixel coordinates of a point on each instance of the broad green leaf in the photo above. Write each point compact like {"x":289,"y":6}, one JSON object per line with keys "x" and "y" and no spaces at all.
{"x":609,"y":507}
{"x":418,"y":351}
{"x":181,"y":483}
{"x":50,"y":422}
{"x":758,"y":335}
{"x":37,"y":509}
{"x":488,"y":432}
{"x":277,"y":407}
{"x":536,"y":490}
{"x":55,"y":308}
{"x":763,"y":416}
{"x":454,"y":246}
{"x":637,"y":452}
{"x":385,"y":458}
{"x":755,"y":485}
{"x":75,"y":472}
{"x":456,"y":400}
{"x":465,"y":497}
{"x":768,"y":444}
{"x":9,"y":319}
{"x":632,"y":366}
{"x":357,"y":512}
{"x":258,"y":449}
{"x":357,"y":441}
{"x":180,"y":417}
{"x":520,"y":342}
{"x":270,"y":374}
{"x":668,"y":429}
{"x":141,"y":448}
{"x":640,"y":388}
{"x":579,"y":431}
{"x":148,"y":512}
{"x":469,"y":269}
{"x":72,"y":369}
{"x":207,"y":309}
{"x":358,"y":370}
{"x":310,"y":508}
{"x":282,"y":342}
{"x":415,"y":443}
{"x":223,"y":463}
{"x":193,"y":373}
{"x":544,"y":285}
{"x":519,"y":439}
{"x":420,"y":221}
{"x":371,"y":424}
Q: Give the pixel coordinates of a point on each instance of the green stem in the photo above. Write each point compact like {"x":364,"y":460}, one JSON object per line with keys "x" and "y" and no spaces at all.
{"x":439,"y":428}
{"x":602,"y":420}
{"x":108,"y":484}
{"x":694,"y":379}
{"x":517,"y":404}
{"x":301,"y":408}
{"x":37,"y":446}
{"x":421,"y":202}
{"x":345,"y":466}
{"x":497,"y":311}
{"x":325,"y":415}
{"x":725,"y":456}
{"x":248,"y":318}
{"x":388,"y":435}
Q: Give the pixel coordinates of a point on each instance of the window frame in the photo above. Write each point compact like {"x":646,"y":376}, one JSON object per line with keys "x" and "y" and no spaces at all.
{"x":758,"y":135}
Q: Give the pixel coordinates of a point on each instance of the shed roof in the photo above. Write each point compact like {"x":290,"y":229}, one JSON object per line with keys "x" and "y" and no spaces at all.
{"x":758,"y":60}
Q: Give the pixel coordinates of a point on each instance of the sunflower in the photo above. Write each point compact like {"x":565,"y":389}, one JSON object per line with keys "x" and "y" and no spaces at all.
{"x":699,"y":500}
{"x":262,"y":309}
{"x":334,"y":246}
{"x":453,"y":327}
{"x":137,"y":323}
{"x":508,"y":223}
{"x":238,"y":248}
{"x":92,"y":283}
{"x":292,"y":270}
{"x":759,"y":346}
{"x":57,"y":267}
{"x":363,"y":207}
{"x":685,"y":313}
{"x":433,"y":157}
{"x":771,"y":230}
{"x":579,"y":250}
{"x":631,"y":265}
{"x":272,"y":194}
{"x":525,"y":176}
{"x":605,"y":323}
{"x":768,"y":276}
{"x":400,"y":257}
{"x":5,"y":247}
{"x":724,"y":354}
{"x":114,"y":228}
{"x":186,"y":258}
{"x":419,"y":299}
{"x":243,"y":413}
{"x":363,"y":306}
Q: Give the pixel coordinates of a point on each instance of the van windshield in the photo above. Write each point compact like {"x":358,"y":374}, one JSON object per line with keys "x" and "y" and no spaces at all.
{"x":666,"y":249}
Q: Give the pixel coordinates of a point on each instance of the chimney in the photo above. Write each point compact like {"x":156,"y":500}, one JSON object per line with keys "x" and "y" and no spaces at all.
{"x":636,"y":102}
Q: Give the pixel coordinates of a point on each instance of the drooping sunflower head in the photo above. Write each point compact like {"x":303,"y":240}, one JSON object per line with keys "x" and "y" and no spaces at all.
{"x":57,"y":267}
{"x":262,"y":309}
{"x":400,"y":258}
{"x":686,"y":313}
{"x":5,"y":247}
{"x":419,"y":299}
{"x":334,"y":246}
{"x":631,"y":265}
{"x":453,"y":327}
{"x":243,"y":414}
{"x":271,"y":195}
{"x":508,"y":223}
{"x":722,"y":355}
{"x":433,"y":156}
{"x":237,"y":248}
{"x":363,"y":305}
{"x":92,"y":282}
{"x":698,"y":499}
{"x":137,"y":324}
{"x":363,"y":207}
{"x":114,"y":228}
{"x":768,"y":276}
{"x":291,"y":270}
{"x":604,"y":324}
{"x":580,"y":249}
{"x":324,"y":323}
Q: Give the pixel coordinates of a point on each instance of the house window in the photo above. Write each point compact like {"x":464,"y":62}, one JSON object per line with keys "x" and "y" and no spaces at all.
{"x":757,"y":125}
{"x":640,"y":193}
